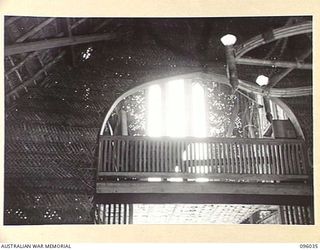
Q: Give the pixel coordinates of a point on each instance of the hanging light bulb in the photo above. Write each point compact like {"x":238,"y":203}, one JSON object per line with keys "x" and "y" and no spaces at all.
{"x":262,"y":80}
{"x":228,"y":40}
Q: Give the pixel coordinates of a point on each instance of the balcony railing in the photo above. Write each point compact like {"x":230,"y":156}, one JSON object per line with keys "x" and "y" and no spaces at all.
{"x":254,"y":159}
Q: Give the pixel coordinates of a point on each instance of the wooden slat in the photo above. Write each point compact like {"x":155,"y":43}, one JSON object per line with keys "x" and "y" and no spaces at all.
{"x":299,"y":171}
{"x":303,"y":159}
{"x":101,"y":158}
{"x":127,"y":149}
{"x":105,"y":155}
{"x":161,"y":156}
{"x":285,"y":158}
{"x":220,"y":167}
{"x":186,"y":145}
{"x":110,"y":155}
{"x":179,"y":154}
{"x":118,"y":152}
{"x":136,"y":148}
{"x":211,"y":158}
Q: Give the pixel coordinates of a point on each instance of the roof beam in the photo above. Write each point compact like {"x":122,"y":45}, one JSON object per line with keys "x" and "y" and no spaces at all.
{"x":277,"y":78}
{"x":271,"y":63}
{"x":55,"y":42}
{"x":102,"y":24}
{"x":35,"y":30}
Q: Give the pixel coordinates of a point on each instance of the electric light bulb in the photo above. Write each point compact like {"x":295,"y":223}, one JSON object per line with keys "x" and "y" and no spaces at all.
{"x":228,"y":40}
{"x":262,"y":80}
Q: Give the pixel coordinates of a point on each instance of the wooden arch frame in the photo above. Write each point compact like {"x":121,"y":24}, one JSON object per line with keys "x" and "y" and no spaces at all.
{"x":243,"y":85}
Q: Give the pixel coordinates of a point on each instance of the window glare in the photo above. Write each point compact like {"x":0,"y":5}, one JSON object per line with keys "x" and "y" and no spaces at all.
{"x":154,"y":111}
{"x":175,"y":109}
{"x":169,"y":116}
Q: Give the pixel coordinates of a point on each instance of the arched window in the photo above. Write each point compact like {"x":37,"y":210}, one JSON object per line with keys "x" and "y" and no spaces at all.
{"x":172,"y":113}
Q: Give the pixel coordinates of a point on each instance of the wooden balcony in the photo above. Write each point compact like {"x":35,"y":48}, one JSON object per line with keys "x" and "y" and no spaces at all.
{"x":199,"y":170}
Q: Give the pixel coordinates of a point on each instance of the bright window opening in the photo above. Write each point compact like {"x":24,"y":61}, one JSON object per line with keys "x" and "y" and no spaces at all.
{"x":169,"y":114}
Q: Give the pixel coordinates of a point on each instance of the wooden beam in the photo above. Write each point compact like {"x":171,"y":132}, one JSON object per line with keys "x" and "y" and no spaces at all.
{"x":223,"y":193}
{"x":30,"y":81}
{"x":219,"y":176}
{"x":295,"y":189}
{"x":55,"y":42}
{"x":77,"y":23}
{"x":271,"y":63}
{"x":132,"y":198}
{"x":35,"y":30}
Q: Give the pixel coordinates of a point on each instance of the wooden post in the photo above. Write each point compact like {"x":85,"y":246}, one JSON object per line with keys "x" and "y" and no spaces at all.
{"x":232,"y":68}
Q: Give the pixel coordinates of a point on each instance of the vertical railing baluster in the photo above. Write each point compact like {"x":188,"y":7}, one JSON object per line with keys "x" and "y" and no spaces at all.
{"x":179,"y":154}
{"x":243,"y":150}
{"x":127,"y":159}
{"x":101,"y":159}
{"x":187,"y":148}
{"x":122,"y":154}
{"x":303,"y":158}
{"x":236,"y":158}
{"x":140,"y":156}
{"x":248,"y":158}
{"x":104,"y":156}
{"x":282,"y":166}
{"x":226,"y":156}
{"x":158,"y":156}
{"x":286,"y":159}
{"x":297,"y":160}
{"x":231,"y":156}
{"x":162,"y":145}
{"x":144,"y":156}
{"x":149,"y":155}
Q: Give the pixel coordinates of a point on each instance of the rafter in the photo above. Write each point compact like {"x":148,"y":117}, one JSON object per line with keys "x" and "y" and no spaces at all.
{"x":55,"y":42}
{"x":35,"y":30}
{"x":105,"y":22}
{"x":277,"y":78}
{"x":30,"y":81}
{"x":271,"y":63}
{"x":77,"y":23}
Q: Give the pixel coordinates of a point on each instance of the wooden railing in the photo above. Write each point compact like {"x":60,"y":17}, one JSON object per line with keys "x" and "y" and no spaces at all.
{"x":201,"y":156}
